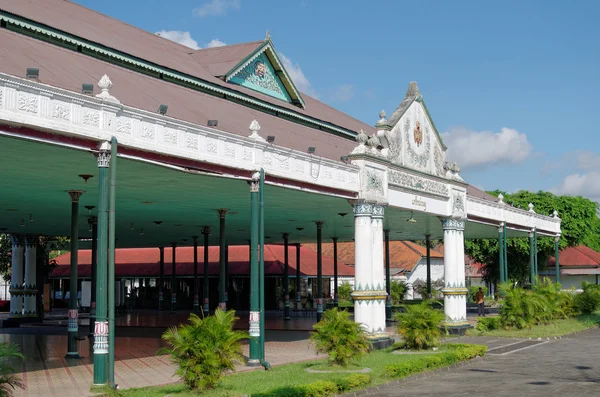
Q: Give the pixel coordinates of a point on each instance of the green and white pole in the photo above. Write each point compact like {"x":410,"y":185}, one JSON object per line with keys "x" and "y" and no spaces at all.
{"x":286,"y":275}
{"x":531,"y":259}
{"x":93,"y":221}
{"x":261,"y":267}
{"x":501,"y":252}
{"x":101,"y":326}
{"x":428,"y":258}
{"x":222,"y":269}
{"x":196,"y":307}
{"x":556,"y":254}
{"x":335,"y":272}
{"x":535,"y":257}
{"x":319,"y":270}
{"x":298,"y":287}
{"x":161,"y":279}
{"x":505,"y":240}
{"x":205,"y":298}
{"x":111,"y":263}
{"x":73,"y":314}
{"x":254,"y":359}
{"x":173,"y":281}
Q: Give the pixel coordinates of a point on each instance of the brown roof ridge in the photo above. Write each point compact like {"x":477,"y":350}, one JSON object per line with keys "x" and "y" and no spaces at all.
{"x":208,"y":49}
{"x":583,"y":249}
{"x":412,"y":248}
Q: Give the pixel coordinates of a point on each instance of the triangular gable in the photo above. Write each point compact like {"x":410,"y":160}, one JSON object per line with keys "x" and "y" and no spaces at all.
{"x":262,"y":71}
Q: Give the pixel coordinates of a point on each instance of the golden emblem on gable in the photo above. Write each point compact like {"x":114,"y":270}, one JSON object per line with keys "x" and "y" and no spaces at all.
{"x":418,"y":134}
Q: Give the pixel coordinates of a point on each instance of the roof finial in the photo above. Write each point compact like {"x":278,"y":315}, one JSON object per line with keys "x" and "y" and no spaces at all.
{"x":413,"y":90}
{"x":105,"y":84}
{"x":268,"y":36}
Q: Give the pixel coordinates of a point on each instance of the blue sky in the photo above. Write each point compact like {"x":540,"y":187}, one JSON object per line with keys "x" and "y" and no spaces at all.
{"x":513,"y":85}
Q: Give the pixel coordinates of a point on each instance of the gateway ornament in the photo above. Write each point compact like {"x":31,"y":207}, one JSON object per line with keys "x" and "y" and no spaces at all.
{"x":418,"y":134}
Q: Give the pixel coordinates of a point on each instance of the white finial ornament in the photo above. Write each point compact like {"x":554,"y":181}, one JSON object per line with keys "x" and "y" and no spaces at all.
{"x":362,"y":138}
{"x":382,"y":118}
{"x":555,"y":214}
{"x":531,"y":207}
{"x":501,"y":198}
{"x":105,"y":85}
{"x":254,"y":128}
{"x":268,"y":36}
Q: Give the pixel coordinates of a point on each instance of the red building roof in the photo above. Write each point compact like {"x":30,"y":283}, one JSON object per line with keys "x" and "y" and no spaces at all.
{"x":404,"y":255}
{"x":577,"y":256}
{"x":145,"y":262}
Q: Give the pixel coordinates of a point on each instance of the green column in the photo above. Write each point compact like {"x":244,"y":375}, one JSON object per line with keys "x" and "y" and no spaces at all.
{"x":101,"y":325}
{"x":254,"y":358}
{"x":205,"y":306}
{"x":298,"y":288}
{"x":388,"y":278}
{"x":196,"y":308}
{"x":161,"y":280}
{"x":286,"y":277}
{"x":93,"y":221}
{"x":556,"y":254}
{"x":505,"y":252}
{"x":226,"y":273}
{"x":319,"y":270}
{"x":222,"y":273}
{"x":535,"y":252}
{"x":261,"y":266}
{"x":111,"y":262}
{"x":73,"y":314}
{"x":173,"y":281}
{"x":531,"y":259}
{"x":335,"y":272}
{"x":428,"y":258}
{"x":501,"y":253}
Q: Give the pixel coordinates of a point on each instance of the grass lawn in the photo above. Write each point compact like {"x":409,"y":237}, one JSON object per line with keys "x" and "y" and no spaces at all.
{"x":288,"y":375}
{"x":558,"y":328}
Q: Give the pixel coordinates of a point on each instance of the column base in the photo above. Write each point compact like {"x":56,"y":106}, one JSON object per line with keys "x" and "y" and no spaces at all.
{"x":457,"y":328}
{"x":253,"y":363}
{"x":380,"y":341}
{"x":73,"y":355}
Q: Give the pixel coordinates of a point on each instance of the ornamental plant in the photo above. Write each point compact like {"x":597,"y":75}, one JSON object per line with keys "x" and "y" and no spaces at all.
{"x":421,"y":325}
{"x":205,"y":348}
{"x":340,"y":337}
{"x":8,"y":380}
{"x":588,"y":301}
{"x":397,"y":291}
{"x":345,"y":292}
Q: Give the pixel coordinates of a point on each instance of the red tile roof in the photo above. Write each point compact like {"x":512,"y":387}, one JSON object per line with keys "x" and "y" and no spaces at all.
{"x":145,"y":262}
{"x":403,"y":254}
{"x":577,"y":256}
{"x":68,"y":69}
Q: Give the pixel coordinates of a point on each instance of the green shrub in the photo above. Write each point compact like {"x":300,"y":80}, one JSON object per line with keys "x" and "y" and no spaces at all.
{"x":524,"y":308}
{"x":397,"y":291}
{"x":320,"y":388}
{"x":205,"y":348}
{"x":588,"y":301}
{"x":473,"y":290}
{"x":454,"y":354}
{"x":8,"y":380}
{"x":340,"y":337}
{"x":420,"y":326}
{"x":488,"y":324}
{"x":345,"y":292}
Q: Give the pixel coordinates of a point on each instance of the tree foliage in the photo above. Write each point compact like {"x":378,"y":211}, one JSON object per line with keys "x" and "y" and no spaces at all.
{"x":580,"y":225}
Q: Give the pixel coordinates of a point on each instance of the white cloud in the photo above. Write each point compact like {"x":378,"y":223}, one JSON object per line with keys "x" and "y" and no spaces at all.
{"x":217,"y":7}
{"x":585,"y":184}
{"x":298,"y":77}
{"x":482,"y":148}
{"x":178,"y":36}
{"x":588,"y":160}
{"x":215,"y":43}
{"x":342,"y":93}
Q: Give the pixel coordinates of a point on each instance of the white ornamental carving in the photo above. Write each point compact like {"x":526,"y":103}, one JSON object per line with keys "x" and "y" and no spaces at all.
{"x":191,"y":141}
{"x":247,"y":155}
{"x":375,"y":182}
{"x":91,"y":117}
{"x":417,"y":183}
{"x":124,"y":125}
{"x":28,"y":102}
{"x":341,"y":177}
{"x":229,"y":150}
{"x":299,"y":166}
{"x":458,"y":209}
{"x":438,"y":159}
{"x":147,"y":131}
{"x":61,"y":110}
{"x":268,"y":158}
{"x":328,"y":174}
{"x":284,"y":163}
{"x":170,"y":136}
{"x":211,"y":146}
{"x":1,"y":95}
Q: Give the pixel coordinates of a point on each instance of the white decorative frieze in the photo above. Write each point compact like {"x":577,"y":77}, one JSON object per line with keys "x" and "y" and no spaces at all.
{"x":27,"y":102}
{"x":247,"y":154}
{"x":91,"y":117}
{"x":147,"y":130}
{"x":124,"y":125}
{"x":191,"y":141}
{"x":229,"y":150}
{"x":414,"y":182}
{"x":211,"y":145}
{"x":61,"y":110}
{"x":375,"y":182}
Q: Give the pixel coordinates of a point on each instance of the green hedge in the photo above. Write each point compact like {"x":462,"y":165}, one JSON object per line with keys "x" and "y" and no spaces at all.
{"x":455,"y":353}
{"x":321,"y":388}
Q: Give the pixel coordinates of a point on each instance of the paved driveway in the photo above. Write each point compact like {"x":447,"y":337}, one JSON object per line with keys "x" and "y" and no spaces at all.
{"x":562,"y":368}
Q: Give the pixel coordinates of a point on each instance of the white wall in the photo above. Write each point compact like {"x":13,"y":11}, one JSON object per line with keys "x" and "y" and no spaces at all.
{"x":574,"y":281}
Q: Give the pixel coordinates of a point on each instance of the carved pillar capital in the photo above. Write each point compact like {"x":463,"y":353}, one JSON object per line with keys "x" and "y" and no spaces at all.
{"x":75,"y":194}
{"x":453,"y":224}
{"x":31,"y":241}
{"x":17,"y":240}
{"x":206,"y":230}
{"x":222,"y":212}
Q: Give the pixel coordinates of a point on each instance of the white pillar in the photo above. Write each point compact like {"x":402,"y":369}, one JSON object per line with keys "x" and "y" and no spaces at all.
{"x":378,"y":273}
{"x":369,"y":289}
{"x":16,"y":278}
{"x":30,"y":287}
{"x":455,"y":293}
